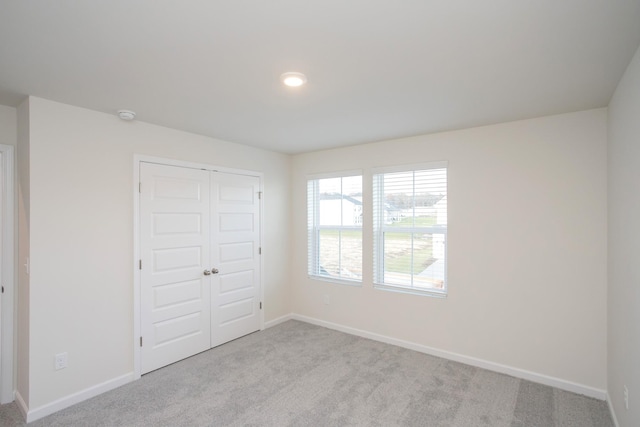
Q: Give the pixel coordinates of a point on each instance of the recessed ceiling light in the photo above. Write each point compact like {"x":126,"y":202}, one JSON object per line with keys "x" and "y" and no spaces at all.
{"x":293,"y":79}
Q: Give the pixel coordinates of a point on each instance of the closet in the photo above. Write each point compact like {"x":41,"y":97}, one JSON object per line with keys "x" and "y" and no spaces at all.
{"x":199,"y":260}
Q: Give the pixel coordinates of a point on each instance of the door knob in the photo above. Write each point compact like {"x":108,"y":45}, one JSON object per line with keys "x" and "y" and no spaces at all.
{"x":207,"y":273}
{"x":214,"y":271}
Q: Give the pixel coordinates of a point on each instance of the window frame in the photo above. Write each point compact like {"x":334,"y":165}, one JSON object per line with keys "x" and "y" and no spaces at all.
{"x":314,"y":228}
{"x":379,"y":229}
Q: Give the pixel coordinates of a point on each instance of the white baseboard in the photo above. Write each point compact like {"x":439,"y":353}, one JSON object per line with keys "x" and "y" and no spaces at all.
{"x":274,"y":322}
{"x":72,"y":399}
{"x":67,"y":401}
{"x":613,"y":413}
{"x":480,"y":363}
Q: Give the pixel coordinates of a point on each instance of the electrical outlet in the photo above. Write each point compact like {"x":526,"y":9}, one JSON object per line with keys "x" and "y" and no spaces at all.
{"x":327,"y":301}
{"x":60,"y":361}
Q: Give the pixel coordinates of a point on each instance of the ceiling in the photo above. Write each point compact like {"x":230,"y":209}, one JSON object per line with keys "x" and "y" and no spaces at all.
{"x":376,"y":69}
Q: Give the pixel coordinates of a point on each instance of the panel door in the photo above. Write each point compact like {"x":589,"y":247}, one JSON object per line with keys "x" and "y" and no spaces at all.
{"x":175,"y":252}
{"x":235,"y":230}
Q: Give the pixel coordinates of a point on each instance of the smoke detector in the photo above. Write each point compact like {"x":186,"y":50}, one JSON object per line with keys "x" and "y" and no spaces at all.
{"x":126,"y":115}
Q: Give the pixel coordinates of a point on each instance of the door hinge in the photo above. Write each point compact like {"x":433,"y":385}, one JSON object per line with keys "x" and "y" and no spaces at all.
{"x":140,"y":265}
{"x":140,"y":341}
{"x":260,"y":251}
{"x":3,"y":289}
{"x":259,"y":194}
{"x":260,"y":305}
{"x":139,"y":187}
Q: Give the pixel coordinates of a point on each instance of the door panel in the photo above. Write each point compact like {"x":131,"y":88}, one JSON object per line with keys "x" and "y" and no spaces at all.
{"x":176,"y":329}
{"x":177,"y":293}
{"x":175,"y":251}
{"x":233,"y":282}
{"x":235,"y":230}
{"x":166,"y":224}
{"x":236,"y":222}
{"x":193,"y":220}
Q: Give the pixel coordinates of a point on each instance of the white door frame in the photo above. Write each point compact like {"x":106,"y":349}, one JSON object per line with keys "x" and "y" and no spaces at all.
{"x":137,"y":159}
{"x":7,"y":193}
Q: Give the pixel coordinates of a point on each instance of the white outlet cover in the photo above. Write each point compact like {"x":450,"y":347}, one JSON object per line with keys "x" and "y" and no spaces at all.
{"x":60,"y":361}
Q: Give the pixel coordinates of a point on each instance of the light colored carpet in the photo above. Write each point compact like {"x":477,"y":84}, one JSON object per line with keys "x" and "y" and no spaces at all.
{"x":297,"y":374}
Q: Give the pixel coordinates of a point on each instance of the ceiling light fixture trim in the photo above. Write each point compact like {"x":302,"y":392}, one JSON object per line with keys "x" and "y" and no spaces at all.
{"x":293,"y":79}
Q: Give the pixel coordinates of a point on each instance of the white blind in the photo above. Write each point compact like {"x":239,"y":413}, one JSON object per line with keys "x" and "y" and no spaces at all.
{"x":410,"y":229}
{"x":312,"y":215}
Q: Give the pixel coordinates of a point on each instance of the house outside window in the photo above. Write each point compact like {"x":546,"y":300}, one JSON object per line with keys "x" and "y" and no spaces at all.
{"x":410,"y":229}
{"x":334,"y":226}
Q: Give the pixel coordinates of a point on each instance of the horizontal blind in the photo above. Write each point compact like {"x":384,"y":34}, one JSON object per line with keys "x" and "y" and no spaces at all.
{"x":410,"y":227}
{"x":334,"y":228}
{"x":312,"y":220}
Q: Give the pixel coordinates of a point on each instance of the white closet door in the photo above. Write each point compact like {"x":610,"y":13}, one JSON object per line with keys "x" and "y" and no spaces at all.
{"x":235,"y":237}
{"x":175,"y":250}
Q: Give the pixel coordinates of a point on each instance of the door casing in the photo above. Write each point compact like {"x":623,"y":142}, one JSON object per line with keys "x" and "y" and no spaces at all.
{"x":137,"y":159}
{"x":7,"y":250}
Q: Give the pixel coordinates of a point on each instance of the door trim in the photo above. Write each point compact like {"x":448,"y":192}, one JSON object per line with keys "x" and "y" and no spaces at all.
{"x":7,"y":249}
{"x":137,"y":160}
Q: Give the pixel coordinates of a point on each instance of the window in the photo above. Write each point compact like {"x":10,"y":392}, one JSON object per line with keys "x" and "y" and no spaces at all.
{"x":410,"y":229}
{"x":334,"y":226}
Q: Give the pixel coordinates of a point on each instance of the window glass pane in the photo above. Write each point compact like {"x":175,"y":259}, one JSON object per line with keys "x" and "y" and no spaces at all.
{"x":410,"y":229}
{"x":398,"y":198}
{"x":330,"y":201}
{"x":431,"y":261}
{"x":329,"y":253}
{"x":431,"y":197}
{"x":352,"y":186}
{"x":335,"y":228}
{"x":341,"y":201}
{"x":351,"y":254}
{"x":398,"y":258}
{"x":341,"y":254}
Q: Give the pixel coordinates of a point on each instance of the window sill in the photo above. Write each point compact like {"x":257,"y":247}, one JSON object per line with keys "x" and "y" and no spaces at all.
{"x":354,"y":283}
{"x":411,"y":291}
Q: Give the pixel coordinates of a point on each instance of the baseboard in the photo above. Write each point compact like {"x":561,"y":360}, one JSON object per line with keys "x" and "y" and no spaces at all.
{"x":274,"y":322}
{"x":72,"y":399}
{"x":480,"y":363}
{"x":613,"y":413}
{"x":22,"y":406}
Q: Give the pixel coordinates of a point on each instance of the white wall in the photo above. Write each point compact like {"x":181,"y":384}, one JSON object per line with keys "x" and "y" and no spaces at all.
{"x":624,"y":246}
{"x":81,"y":237}
{"x":526,"y":245}
{"x":8,"y":125}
